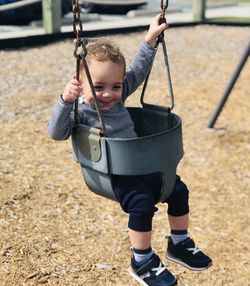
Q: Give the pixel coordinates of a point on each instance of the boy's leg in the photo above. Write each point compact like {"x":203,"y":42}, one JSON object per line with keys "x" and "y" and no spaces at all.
{"x":141,"y":246}
{"x":139,"y":239}
{"x":138,"y":200}
{"x":181,"y":248}
{"x":179,"y":222}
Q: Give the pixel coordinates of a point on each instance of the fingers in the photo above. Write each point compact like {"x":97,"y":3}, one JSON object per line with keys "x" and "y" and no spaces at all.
{"x":157,"y":26}
{"x":75,"y":87}
{"x":159,"y":23}
{"x":157,"y":18}
{"x":75,"y":83}
{"x":72,"y":90}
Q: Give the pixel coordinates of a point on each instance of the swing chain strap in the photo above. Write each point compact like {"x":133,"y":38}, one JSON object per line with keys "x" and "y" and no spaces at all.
{"x":86,"y":69}
{"x":162,"y":41}
{"x":81,"y":56}
{"x":162,"y":19}
{"x":77,"y":27}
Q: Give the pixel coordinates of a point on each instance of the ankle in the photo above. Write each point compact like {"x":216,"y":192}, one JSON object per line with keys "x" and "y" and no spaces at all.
{"x":140,"y":256}
{"x":178,"y":236}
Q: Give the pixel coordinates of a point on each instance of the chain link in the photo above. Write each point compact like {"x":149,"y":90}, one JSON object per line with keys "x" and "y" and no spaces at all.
{"x":77,"y":23}
{"x":78,"y":28}
{"x":164,"y":6}
{"x":80,"y":54}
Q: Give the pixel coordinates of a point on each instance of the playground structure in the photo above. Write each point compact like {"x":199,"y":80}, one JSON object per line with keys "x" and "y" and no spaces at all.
{"x":230,"y":86}
{"x":52,"y":10}
{"x":55,"y":29}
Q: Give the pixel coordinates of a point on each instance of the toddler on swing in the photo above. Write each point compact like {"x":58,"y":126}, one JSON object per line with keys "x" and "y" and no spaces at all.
{"x":137,"y":195}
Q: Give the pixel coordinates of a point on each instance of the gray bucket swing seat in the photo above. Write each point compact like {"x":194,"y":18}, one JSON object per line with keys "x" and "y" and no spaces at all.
{"x":158,"y":148}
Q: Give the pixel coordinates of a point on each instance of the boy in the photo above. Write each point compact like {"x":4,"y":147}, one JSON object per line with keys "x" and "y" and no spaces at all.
{"x":134,"y":193}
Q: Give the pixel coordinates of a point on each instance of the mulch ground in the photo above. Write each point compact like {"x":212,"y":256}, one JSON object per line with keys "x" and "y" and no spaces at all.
{"x":54,"y":231}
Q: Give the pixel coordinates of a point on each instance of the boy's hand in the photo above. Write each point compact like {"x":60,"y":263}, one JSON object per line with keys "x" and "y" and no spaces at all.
{"x":72,"y":90}
{"x":154,"y":31}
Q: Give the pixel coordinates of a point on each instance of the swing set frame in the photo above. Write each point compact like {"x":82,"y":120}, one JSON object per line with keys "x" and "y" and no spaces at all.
{"x":229,"y":87}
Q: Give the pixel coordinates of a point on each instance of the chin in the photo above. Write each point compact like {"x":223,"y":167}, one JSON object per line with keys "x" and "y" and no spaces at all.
{"x":105,"y":108}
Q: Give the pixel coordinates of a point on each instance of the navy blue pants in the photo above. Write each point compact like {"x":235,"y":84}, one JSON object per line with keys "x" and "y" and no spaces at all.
{"x":138,"y":195}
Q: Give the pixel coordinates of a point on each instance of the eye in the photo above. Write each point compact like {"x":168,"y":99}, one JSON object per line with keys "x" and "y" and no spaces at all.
{"x":117,"y":87}
{"x":98,"y":87}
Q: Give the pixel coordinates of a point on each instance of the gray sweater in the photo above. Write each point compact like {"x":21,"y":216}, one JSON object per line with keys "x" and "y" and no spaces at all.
{"x":118,"y":123}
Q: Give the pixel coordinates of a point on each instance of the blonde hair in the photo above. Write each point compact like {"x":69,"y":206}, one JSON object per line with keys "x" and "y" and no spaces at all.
{"x":105,"y":50}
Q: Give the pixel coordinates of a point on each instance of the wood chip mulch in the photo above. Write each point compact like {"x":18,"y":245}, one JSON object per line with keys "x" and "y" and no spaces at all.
{"x":54,"y":231}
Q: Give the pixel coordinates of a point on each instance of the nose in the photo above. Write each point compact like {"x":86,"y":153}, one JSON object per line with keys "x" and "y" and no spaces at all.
{"x":107,"y":93}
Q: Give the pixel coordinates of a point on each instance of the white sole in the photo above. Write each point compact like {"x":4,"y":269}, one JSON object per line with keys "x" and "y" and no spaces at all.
{"x":174,"y":259}
{"x":136,"y":277}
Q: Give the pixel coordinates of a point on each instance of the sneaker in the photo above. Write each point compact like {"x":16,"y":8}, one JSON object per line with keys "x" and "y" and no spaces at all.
{"x":188,"y":255}
{"x":152,"y":273}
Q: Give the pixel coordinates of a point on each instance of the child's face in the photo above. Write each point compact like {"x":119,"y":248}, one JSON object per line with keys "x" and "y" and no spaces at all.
{"x":108,"y":80}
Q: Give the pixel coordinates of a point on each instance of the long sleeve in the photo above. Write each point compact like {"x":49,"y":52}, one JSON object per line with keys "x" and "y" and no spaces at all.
{"x":61,"y":121}
{"x":138,"y":70}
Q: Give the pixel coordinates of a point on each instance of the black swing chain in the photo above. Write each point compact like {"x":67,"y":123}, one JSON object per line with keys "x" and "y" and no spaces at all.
{"x":81,"y":56}
{"x":164,"y":6}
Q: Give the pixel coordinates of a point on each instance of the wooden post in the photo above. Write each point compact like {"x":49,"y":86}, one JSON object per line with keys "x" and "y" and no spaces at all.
{"x":52,"y":13}
{"x":199,"y":10}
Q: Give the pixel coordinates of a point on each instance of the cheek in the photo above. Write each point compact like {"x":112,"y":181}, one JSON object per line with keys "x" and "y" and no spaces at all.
{"x":98,"y":94}
{"x":117,"y":96}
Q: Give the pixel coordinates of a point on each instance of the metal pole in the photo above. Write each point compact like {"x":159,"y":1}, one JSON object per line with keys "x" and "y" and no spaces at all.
{"x":199,"y":10}
{"x":52,"y":13}
{"x":229,"y":87}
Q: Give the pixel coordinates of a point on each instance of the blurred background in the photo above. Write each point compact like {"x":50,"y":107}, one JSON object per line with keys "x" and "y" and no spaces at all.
{"x":27,"y":12}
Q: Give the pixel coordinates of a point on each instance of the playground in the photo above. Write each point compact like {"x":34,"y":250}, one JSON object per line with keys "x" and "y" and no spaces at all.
{"x":54,"y":231}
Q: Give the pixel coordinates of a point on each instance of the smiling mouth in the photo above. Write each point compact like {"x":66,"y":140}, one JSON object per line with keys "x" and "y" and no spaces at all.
{"x":105,"y":105}
{"x":103,"y":102}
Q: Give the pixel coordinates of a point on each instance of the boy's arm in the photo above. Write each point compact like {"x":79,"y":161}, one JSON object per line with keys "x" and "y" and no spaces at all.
{"x":142,"y":63}
{"x":61,"y":121}
{"x":139,"y":68}
{"x":60,"y":124}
